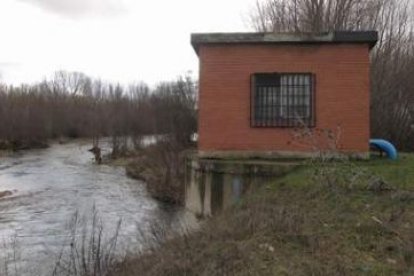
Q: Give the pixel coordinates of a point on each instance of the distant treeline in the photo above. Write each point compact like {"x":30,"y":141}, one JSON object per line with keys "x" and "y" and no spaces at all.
{"x":74,"y":105}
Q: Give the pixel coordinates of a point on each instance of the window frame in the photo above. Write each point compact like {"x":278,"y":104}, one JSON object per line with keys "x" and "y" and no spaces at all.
{"x":288,"y":122}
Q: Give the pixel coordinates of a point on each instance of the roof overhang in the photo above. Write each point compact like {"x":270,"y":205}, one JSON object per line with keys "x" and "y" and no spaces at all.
{"x":339,"y":37}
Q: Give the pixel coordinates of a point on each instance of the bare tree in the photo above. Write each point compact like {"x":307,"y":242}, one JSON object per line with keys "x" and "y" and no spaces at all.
{"x":71,"y":82}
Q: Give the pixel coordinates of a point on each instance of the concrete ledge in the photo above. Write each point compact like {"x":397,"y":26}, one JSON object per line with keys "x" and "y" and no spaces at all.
{"x":368,"y":37}
{"x":277,"y":155}
{"x":244,"y":167}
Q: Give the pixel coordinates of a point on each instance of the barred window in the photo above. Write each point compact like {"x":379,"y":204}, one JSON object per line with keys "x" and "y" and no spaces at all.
{"x":282,"y":100}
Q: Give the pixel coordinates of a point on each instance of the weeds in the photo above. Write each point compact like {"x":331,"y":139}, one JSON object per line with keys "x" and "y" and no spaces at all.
{"x":162,"y":167}
{"x":9,"y":257}
{"x":87,"y":252}
{"x":331,"y":166}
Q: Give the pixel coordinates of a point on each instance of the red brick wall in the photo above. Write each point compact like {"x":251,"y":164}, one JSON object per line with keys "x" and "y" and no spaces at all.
{"x":342,"y":95}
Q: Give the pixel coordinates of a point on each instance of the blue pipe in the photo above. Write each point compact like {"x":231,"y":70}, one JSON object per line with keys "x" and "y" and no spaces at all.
{"x":385,"y":146}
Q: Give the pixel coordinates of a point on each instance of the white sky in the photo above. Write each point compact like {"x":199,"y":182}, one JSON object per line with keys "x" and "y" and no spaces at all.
{"x":116,"y":40}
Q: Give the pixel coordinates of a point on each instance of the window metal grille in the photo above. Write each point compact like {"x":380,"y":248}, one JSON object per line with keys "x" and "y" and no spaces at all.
{"x":282,"y":100}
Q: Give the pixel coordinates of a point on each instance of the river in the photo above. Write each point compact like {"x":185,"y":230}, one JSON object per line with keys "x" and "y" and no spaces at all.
{"x":50,"y":186}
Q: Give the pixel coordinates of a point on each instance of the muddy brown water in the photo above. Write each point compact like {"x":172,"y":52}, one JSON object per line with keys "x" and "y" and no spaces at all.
{"x":50,"y":186}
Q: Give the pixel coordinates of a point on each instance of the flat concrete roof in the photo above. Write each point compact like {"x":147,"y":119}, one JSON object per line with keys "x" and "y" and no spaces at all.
{"x":337,"y":37}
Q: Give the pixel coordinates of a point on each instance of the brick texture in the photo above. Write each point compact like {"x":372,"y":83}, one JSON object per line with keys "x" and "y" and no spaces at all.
{"x":342,"y":95}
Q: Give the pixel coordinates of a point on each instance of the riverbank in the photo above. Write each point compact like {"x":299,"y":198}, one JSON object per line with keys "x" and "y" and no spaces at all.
{"x":347,"y":218}
{"x":161,"y":166}
{"x":22,"y":145}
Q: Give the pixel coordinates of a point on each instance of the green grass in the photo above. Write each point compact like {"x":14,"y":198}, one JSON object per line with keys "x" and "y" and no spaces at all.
{"x":318,"y":220}
{"x":399,"y":173}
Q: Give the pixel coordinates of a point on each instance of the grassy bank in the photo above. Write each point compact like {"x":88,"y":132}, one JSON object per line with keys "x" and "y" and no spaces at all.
{"x":348,"y":218}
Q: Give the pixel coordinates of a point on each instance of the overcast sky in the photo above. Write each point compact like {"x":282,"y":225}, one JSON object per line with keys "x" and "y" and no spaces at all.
{"x":116,"y":40}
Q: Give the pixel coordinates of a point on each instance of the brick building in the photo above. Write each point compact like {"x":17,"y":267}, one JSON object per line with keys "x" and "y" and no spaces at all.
{"x":259,"y":90}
